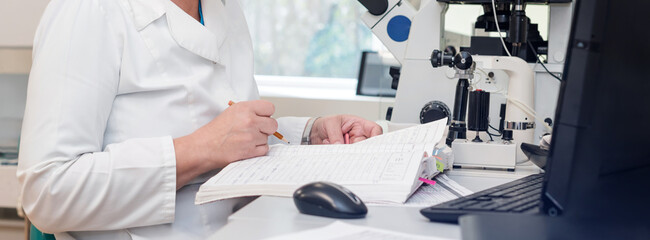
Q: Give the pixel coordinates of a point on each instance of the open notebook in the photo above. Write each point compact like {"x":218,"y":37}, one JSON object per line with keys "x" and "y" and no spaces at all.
{"x":383,"y":169}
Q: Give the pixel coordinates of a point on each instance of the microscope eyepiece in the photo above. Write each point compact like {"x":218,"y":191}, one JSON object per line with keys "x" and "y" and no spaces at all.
{"x":375,"y":7}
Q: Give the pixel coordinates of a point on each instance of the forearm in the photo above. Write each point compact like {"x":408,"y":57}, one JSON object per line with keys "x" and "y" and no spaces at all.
{"x":190,"y":161}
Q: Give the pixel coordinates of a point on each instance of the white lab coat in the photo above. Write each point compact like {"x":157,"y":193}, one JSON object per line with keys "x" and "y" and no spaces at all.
{"x":112,"y":83}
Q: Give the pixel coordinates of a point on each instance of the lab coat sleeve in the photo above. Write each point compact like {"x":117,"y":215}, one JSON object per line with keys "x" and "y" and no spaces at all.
{"x":291,"y":128}
{"x":69,"y":183}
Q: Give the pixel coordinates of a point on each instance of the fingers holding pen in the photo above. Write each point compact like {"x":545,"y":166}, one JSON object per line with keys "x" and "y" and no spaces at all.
{"x":260,"y":150}
{"x":241,"y":131}
{"x":261,"y":115}
{"x":266,"y":125}
{"x":263,"y":108}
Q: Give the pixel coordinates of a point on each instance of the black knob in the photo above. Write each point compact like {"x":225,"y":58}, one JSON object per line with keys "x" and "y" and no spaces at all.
{"x":389,"y":113}
{"x":394,"y":72}
{"x":450,"y":50}
{"x":434,"y":110}
{"x":436,"y":58}
{"x":463,"y":61}
{"x":375,"y":7}
{"x":549,"y":121}
{"x":507,"y":135}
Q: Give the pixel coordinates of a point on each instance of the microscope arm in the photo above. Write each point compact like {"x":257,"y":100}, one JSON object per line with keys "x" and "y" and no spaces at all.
{"x":520,"y":89}
{"x":521,"y":84}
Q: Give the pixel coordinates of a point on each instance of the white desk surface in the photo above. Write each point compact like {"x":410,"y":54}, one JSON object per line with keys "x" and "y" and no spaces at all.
{"x":273,"y":216}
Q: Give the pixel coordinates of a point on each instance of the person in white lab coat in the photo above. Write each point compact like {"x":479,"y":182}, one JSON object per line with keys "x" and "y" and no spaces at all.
{"x":127,"y":113}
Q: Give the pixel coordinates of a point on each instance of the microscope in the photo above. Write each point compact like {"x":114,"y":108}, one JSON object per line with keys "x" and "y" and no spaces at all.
{"x":518,"y":128}
{"x":413,"y":31}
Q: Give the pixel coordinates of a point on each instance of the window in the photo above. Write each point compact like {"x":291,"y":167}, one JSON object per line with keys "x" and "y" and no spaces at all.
{"x":325,"y":38}
{"x":322,"y":38}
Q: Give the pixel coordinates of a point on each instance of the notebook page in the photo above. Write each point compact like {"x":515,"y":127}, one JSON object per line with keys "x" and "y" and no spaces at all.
{"x":353,"y":168}
{"x":292,"y":150}
{"x":427,"y":195}
{"x":429,"y":133}
{"x":368,"y":168}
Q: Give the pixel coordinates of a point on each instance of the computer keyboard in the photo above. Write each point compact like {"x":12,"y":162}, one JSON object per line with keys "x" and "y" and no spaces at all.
{"x":519,"y":196}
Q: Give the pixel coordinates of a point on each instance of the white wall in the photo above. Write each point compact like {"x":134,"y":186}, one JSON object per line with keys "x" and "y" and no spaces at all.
{"x":18,"y":21}
{"x":304,"y":107}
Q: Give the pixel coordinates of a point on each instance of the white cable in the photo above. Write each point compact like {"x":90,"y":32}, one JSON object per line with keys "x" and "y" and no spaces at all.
{"x":483,"y":71}
{"x":526,"y":109}
{"x":523,"y":105}
{"x":483,"y":75}
{"x":494,"y":10}
{"x":529,"y":111}
{"x":474,"y":82}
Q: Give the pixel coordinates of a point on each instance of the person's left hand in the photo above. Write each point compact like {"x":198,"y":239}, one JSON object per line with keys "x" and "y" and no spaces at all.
{"x":331,"y":130}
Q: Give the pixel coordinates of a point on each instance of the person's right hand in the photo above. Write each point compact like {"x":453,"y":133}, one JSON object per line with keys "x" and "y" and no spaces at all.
{"x":239,"y":132}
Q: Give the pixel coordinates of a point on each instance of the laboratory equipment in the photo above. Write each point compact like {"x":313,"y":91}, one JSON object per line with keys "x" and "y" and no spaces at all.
{"x":479,"y":110}
{"x":411,"y":30}
{"x":590,"y":184}
{"x":517,"y":30}
{"x":489,"y":154}
{"x":464,"y":66}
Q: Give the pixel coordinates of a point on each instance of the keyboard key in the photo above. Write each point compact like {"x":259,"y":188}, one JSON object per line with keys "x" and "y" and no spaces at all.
{"x":506,"y":190}
{"x":523,"y":190}
{"x":526,"y":206}
{"x":534,"y":210}
{"x":482,"y":206}
{"x":510,"y":191}
{"x":465,"y":204}
{"x":515,"y":204}
{"x":483,"y":198}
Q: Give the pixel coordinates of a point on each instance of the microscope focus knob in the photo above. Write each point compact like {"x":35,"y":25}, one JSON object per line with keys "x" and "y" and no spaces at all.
{"x":434,"y":110}
{"x":394,"y":73}
{"x":463,"y":60}
{"x":436,"y":58}
{"x":506,"y":135}
{"x":440,"y":58}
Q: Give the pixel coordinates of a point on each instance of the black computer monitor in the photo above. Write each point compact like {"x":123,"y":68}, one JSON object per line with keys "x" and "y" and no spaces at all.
{"x":599,"y":163}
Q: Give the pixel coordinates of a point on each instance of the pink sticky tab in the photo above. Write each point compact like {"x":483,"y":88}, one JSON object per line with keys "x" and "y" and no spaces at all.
{"x":427,"y":181}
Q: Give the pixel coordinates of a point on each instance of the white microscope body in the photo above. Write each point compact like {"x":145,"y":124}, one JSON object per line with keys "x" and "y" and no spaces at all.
{"x":503,"y":154}
{"x":411,"y":30}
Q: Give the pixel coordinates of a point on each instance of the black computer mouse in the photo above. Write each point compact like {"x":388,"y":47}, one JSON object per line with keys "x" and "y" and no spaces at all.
{"x":328,"y":200}
{"x":536,"y":154}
